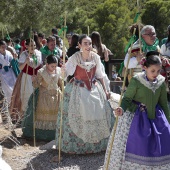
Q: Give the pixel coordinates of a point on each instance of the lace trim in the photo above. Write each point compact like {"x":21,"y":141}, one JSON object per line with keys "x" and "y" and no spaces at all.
{"x":114,"y":100}
{"x":86,"y":65}
{"x":153,"y":86}
{"x":149,"y":161}
{"x":51,"y":80}
{"x":44,"y":125}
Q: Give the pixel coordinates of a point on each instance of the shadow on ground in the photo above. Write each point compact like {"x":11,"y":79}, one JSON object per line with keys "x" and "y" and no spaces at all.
{"x":43,"y":161}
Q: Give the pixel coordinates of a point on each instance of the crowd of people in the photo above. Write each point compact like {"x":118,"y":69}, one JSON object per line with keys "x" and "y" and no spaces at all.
{"x":32,"y":93}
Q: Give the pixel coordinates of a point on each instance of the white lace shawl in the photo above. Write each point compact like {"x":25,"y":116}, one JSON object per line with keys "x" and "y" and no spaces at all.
{"x":76,"y":59}
{"x":51,"y":80}
{"x":150,"y":85}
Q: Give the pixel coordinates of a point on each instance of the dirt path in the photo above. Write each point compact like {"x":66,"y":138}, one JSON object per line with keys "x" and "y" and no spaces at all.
{"x":26,"y":157}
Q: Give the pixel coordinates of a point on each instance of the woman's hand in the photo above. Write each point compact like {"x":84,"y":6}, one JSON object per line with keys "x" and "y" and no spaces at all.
{"x":107,"y":95}
{"x":63,"y":68}
{"x":139,"y":56}
{"x":165,"y":61}
{"x":28,"y":60}
{"x":33,"y":78}
{"x":118,"y":111}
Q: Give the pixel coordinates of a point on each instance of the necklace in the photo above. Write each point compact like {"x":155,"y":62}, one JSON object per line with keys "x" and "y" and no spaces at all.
{"x":89,"y":78}
{"x":86,"y":58}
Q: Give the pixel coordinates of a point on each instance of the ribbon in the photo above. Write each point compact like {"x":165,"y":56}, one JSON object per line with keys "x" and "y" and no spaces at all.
{"x":132,"y":40}
{"x":62,"y":30}
{"x":7,"y":37}
{"x":61,"y":21}
{"x":121,"y":68}
{"x":34,"y":58}
{"x":136,"y":17}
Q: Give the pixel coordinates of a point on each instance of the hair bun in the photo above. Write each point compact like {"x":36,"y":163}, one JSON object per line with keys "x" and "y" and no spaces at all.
{"x":152,"y":53}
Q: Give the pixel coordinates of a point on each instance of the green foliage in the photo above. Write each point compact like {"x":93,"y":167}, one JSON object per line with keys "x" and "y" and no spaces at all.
{"x":112,"y":20}
{"x":110,"y":17}
{"x":157,"y":13}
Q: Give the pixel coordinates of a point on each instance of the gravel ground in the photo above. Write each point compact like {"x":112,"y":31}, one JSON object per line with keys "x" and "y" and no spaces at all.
{"x":43,"y":161}
{"x":27,"y":157}
{"x":30,"y":158}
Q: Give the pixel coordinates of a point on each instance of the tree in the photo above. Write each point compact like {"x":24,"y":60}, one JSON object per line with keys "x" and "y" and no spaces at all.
{"x":113,"y":19}
{"x":157,"y":13}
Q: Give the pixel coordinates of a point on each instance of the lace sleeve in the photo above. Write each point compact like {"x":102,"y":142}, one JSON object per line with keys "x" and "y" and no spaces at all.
{"x":71,"y":65}
{"x":22,"y":57}
{"x":100,"y":73}
{"x":129,"y":96}
{"x":36,"y":83}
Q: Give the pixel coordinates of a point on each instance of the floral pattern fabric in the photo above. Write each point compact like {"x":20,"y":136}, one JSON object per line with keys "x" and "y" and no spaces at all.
{"x":117,"y":156}
{"x":70,"y":142}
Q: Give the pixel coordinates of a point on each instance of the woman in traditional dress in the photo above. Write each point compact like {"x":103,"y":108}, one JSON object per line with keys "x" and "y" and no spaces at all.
{"x":46,"y":98}
{"x":7,"y":79}
{"x":143,"y":133}
{"x":30,"y":62}
{"x":87,"y":119}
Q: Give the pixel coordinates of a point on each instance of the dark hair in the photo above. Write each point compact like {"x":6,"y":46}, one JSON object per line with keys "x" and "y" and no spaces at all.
{"x":27,"y":41}
{"x":41,"y":35}
{"x":152,"y":58}
{"x":74,"y":40}
{"x":52,"y":59}
{"x":38,"y":45}
{"x":54,"y":31}
{"x":81,"y":37}
{"x":58,"y":39}
{"x":96,"y":40}
{"x":168,"y":40}
{"x":51,"y":38}
{"x":2,"y":42}
{"x":17,"y":41}
{"x":132,"y":27}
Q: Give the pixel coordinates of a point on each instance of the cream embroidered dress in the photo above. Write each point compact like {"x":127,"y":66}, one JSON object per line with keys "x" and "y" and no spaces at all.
{"x":47,"y":98}
{"x":87,"y":113}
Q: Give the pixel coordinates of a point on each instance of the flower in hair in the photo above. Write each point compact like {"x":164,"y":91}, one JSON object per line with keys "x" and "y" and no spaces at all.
{"x":142,"y":62}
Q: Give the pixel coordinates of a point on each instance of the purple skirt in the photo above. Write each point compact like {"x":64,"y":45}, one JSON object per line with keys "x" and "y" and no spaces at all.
{"x":148,"y":142}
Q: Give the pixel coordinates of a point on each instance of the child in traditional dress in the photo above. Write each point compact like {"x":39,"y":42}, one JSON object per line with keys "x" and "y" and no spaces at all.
{"x":143,"y":133}
{"x":47,"y":99}
{"x":7,"y":80}
{"x":30,"y":62}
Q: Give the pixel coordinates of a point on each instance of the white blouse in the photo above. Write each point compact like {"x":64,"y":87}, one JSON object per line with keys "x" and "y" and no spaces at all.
{"x":165,"y":51}
{"x":24,"y":55}
{"x":76,"y":59}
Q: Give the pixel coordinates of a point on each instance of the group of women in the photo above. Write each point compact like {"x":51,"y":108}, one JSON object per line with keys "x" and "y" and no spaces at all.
{"x":87,"y":115}
{"x":143,"y":132}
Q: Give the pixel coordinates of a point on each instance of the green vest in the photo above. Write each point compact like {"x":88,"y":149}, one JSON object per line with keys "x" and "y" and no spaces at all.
{"x":140,"y":90}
